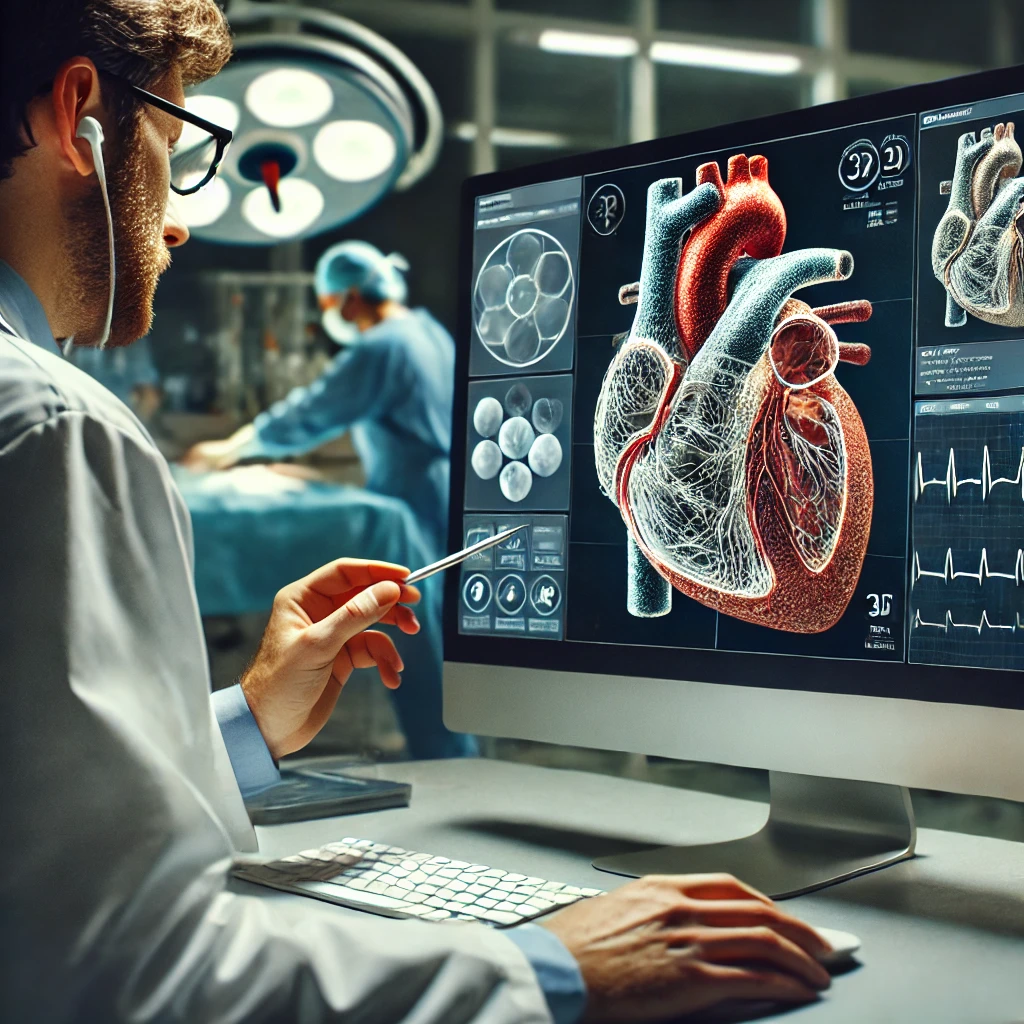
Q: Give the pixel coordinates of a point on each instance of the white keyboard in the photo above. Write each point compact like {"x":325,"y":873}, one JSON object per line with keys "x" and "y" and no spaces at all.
{"x":389,"y":880}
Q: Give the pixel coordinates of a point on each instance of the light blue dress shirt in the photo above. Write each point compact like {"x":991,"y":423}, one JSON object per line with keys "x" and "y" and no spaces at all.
{"x":557,"y":971}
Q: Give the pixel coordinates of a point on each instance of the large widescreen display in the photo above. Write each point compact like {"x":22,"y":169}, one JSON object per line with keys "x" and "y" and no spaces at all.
{"x":764,"y":397}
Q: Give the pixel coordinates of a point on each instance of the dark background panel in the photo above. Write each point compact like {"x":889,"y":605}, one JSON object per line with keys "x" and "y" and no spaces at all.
{"x":546,"y":493}
{"x":846,"y":638}
{"x":597,"y":606}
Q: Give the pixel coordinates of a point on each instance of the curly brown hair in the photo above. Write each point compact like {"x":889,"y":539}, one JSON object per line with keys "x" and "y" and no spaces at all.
{"x":140,"y":40}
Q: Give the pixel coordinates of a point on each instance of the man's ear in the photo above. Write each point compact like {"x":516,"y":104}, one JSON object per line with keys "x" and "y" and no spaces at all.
{"x":76,"y":93}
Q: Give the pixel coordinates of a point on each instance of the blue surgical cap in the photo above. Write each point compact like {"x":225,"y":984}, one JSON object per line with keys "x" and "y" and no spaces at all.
{"x":364,"y":267}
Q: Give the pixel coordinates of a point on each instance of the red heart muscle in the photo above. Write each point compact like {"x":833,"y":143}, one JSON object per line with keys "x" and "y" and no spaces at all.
{"x":739,"y":464}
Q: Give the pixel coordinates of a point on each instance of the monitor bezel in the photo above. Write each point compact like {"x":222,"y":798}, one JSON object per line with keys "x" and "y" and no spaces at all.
{"x":949,"y":685}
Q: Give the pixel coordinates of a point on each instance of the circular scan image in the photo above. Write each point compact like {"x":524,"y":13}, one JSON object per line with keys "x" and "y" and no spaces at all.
{"x":523,"y":297}
{"x":547,"y":415}
{"x":515,"y":437}
{"x":518,"y":400}
{"x":487,"y":417}
{"x":486,"y":460}
{"x":545,"y":455}
{"x":515,"y":481}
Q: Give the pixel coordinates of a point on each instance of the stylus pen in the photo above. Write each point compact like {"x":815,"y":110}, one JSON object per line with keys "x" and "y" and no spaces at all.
{"x":461,"y":556}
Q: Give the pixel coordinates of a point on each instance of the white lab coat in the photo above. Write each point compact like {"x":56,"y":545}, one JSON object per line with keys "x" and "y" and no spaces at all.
{"x":120,"y":810}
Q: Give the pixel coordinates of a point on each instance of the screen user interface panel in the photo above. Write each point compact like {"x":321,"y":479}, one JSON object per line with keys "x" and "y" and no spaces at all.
{"x":707,"y":383}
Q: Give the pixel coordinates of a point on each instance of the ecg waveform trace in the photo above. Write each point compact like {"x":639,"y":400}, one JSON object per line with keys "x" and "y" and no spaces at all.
{"x":950,"y":572}
{"x":952,"y":483}
{"x":947,"y":623}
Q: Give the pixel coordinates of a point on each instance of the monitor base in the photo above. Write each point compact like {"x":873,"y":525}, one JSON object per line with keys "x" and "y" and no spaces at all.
{"x":819,"y":831}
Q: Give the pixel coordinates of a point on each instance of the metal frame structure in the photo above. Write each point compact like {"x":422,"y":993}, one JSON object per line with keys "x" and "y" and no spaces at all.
{"x":827,"y":64}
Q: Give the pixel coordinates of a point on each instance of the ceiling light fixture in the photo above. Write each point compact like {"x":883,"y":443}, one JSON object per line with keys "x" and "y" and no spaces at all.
{"x":328,"y":118}
{"x":754,"y":61}
{"x":588,"y":44}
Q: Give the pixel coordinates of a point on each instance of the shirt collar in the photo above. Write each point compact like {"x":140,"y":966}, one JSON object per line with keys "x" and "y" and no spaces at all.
{"x":22,"y":310}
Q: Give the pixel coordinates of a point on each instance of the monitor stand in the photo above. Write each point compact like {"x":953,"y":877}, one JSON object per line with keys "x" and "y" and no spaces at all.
{"x":819,"y":831}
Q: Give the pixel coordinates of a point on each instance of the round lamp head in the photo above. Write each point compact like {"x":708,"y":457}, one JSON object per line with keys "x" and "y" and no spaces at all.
{"x":326,"y":122}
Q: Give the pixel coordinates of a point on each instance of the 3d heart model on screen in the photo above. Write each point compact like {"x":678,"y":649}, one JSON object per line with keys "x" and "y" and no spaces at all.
{"x":738,"y":462}
{"x":978,"y":249}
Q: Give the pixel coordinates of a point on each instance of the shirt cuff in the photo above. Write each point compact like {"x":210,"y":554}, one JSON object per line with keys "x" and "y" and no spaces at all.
{"x":557,"y":972}
{"x":250,"y":758}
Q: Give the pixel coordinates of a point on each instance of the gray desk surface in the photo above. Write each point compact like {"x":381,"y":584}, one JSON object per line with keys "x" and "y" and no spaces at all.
{"x":943,"y":934}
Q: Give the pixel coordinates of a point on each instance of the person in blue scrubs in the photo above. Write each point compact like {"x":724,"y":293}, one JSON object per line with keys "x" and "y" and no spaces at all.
{"x":391,"y":387}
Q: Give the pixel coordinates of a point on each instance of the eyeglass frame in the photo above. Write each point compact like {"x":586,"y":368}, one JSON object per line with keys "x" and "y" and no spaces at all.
{"x":222,"y":135}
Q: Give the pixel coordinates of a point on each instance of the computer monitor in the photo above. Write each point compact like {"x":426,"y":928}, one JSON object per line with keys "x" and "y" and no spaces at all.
{"x":759,"y":392}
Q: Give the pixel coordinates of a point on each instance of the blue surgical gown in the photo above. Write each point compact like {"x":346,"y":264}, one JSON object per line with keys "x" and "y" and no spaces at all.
{"x":393,"y":390}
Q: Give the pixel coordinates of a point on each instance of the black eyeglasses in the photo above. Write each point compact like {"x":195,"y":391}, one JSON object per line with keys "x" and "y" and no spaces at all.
{"x":198,"y":153}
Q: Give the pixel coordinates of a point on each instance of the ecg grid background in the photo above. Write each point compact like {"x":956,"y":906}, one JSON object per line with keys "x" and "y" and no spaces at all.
{"x":966,"y":603}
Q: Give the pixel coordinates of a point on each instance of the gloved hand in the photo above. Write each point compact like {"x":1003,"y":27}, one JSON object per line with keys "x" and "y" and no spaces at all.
{"x":207,"y":456}
{"x":317,"y":634}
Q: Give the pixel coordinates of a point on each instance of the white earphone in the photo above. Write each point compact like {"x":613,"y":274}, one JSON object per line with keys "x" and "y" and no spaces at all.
{"x":92,"y":131}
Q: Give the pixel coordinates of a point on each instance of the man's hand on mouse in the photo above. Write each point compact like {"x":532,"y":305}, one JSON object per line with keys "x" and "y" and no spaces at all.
{"x":317,"y":634}
{"x":669,"y":945}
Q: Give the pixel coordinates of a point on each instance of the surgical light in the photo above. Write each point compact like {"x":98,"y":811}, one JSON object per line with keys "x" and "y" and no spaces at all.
{"x":301,"y":203}
{"x":202,"y":208}
{"x":726,"y":58}
{"x":328,"y":118}
{"x":354,"y":150}
{"x":289,"y":97}
{"x":588,"y":44}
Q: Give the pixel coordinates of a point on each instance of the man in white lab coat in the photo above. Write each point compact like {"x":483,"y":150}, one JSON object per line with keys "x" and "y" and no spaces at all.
{"x":122,"y":807}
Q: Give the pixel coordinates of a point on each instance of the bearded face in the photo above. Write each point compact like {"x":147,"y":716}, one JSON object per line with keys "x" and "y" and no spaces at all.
{"x":137,"y":172}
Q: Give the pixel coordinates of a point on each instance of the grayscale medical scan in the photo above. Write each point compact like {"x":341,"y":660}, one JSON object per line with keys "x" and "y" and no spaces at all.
{"x":512,"y":511}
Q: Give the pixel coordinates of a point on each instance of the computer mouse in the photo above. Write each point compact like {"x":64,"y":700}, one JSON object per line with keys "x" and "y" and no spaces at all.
{"x":843,"y":944}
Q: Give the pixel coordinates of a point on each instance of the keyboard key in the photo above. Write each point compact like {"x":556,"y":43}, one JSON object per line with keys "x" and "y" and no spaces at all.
{"x":591,"y":892}
{"x":514,"y":897}
{"x":515,"y":878}
{"x":484,"y":902}
{"x":456,"y":886}
{"x":468,"y":877}
{"x":506,"y":886}
{"x":437,"y":915}
{"x":459,"y":863}
{"x":399,"y":894}
{"x":415,"y":897}
{"x":493,"y":873}
{"x":409,"y":865}
{"x":449,"y":872}
{"x":357,"y":883}
{"x":434,"y":901}
{"x":455,"y":907}
{"x":463,"y":897}
{"x":478,"y":890}
{"x":541,"y":906}
{"x":562,"y":898}
{"x":358,"y":896}
{"x":507,"y":907}
{"x":377,"y":886}
{"x":428,"y":889}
